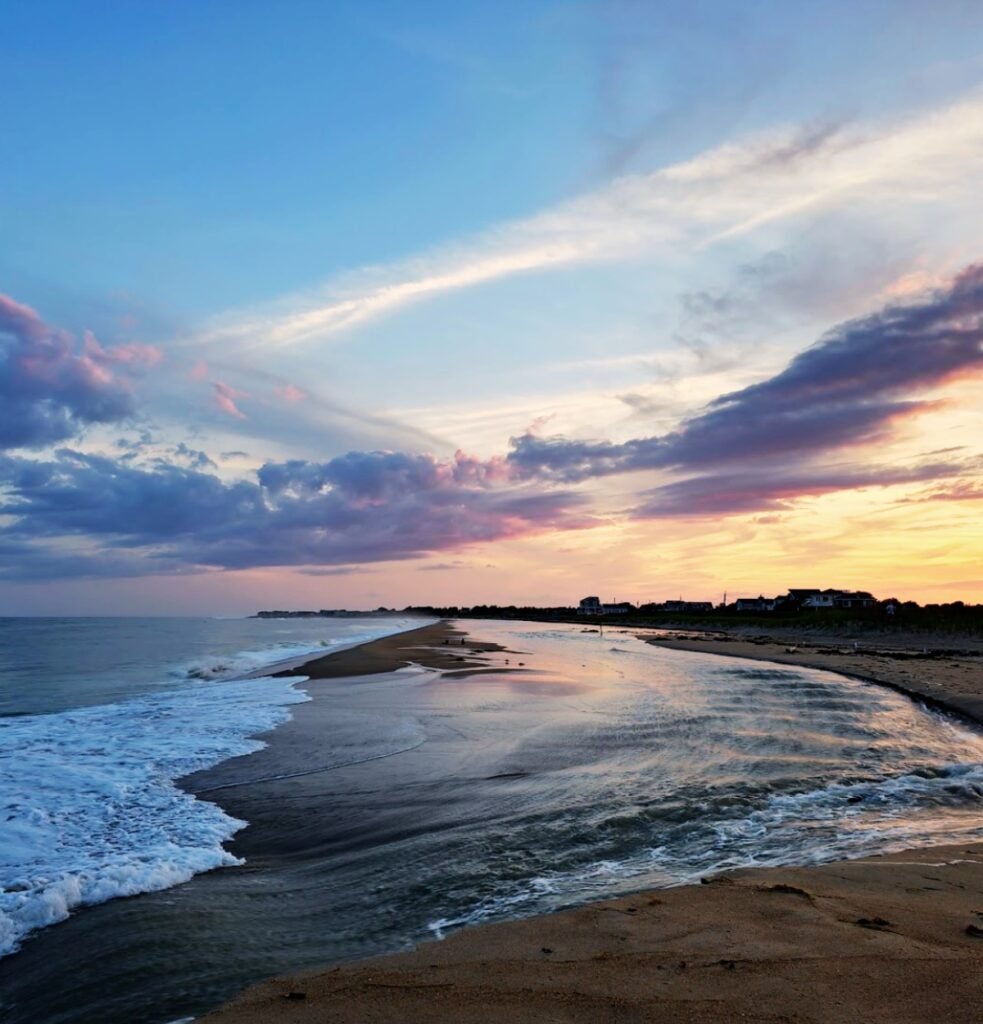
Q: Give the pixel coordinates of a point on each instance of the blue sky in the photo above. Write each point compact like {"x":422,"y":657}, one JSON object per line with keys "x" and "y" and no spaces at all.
{"x":201,"y":157}
{"x":428,"y":227}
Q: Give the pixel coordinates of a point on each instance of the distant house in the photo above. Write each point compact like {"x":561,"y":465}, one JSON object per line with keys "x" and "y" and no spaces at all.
{"x":620,"y":608}
{"x":840,"y":599}
{"x":593,"y":606}
{"x":756,"y":604}
{"x":687,"y":606}
{"x":856,"y":599}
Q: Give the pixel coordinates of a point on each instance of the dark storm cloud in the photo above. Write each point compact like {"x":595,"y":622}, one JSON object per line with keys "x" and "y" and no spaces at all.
{"x":50,"y":387}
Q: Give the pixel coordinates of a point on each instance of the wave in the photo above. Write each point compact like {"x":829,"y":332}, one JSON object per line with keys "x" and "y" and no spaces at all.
{"x":88,"y":802}
{"x":839,"y":821}
{"x":245,"y":663}
{"x":287,"y":653}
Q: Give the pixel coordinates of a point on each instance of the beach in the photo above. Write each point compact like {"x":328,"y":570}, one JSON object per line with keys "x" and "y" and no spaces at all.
{"x":283,"y":813}
{"x":946,"y":672}
{"x":890,"y":938}
{"x":876,"y":940}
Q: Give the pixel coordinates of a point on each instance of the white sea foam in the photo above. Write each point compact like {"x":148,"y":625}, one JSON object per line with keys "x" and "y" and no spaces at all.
{"x":272,"y":657}
{"x":245,"y":663}
{"x":88,"y":806}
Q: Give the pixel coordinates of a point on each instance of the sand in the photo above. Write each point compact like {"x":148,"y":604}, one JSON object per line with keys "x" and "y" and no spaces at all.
{"x":439,"y":646}
{"x":890,"y":939}
{"x":284,"y":811}
{"x":945,"y":674}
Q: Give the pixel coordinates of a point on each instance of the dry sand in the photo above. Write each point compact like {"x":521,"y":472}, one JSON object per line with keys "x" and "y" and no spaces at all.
{"x":891,"y":939}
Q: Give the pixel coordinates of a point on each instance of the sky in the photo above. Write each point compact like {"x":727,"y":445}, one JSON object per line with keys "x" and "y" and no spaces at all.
{"x":372,"y":304}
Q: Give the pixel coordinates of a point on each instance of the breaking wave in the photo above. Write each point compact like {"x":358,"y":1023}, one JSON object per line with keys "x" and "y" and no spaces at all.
{"x":88,"y":800}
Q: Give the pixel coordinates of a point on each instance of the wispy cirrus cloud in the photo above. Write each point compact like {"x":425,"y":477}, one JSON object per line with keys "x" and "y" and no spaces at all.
{"x":957,"y":490}
{"x":730,"y":190}
{"x":51,"y":386}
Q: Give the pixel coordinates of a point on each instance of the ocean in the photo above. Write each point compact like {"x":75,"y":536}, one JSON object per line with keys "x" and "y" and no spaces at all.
{"x":99,"y":716}
{"x":418,"y":803}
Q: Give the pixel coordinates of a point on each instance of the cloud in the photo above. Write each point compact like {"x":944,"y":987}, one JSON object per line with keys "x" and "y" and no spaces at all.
{"x":725,"y":192}
{"x":31,"y":562}
{"x":51,"y":387}
{"x":960,"y":490}
{"x":226,"y":397}
{"x":753,"y":450}
{"x":720,"y":494}
{"x":338,"y":570}
{"x":192,"y":457}
{"x":640,"y":405}
{"x":317,"y":415}
{"x":291,"y":393}
{"x":846,"y":391}
{"x":361,"y":507}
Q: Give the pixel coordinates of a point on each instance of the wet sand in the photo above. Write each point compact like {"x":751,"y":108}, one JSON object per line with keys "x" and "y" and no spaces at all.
{"x":880,"y":940}
{"x":887,"y":939}
{"x":283,"y":813}
{"x":438,"y":646}
{"x":947,"y":674}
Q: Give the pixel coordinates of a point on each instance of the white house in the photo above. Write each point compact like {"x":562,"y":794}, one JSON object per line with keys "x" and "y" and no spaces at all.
{"x":840,"y":599}
{"x":593,"y":606}
{"x":687,"y":606}
{"x":620,"y":608}
{"x":756,"y":604}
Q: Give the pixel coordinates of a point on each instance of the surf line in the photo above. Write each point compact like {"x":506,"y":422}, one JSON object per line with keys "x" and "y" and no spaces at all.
{"x":310,"y":771}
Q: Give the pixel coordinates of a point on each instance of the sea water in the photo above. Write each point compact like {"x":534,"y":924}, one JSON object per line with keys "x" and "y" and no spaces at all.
{"x":99,"y":717}
{"x":408,"y":804}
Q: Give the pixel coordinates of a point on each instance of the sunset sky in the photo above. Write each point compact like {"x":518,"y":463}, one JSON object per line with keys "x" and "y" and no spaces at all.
{"x":359,"y":304}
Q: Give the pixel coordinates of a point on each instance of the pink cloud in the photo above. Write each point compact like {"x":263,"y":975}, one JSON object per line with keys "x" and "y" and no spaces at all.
{"x":50,"y":387}
{"x":135,"y":356}
{"x":199,"y":371}
{"x":226,"y":397}
{"x":291,"y":393}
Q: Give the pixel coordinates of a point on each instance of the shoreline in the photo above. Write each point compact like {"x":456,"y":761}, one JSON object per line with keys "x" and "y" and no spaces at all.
{"x":883,"y":939}
{"x":283,"y":769}
{"x":896,"y":937}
